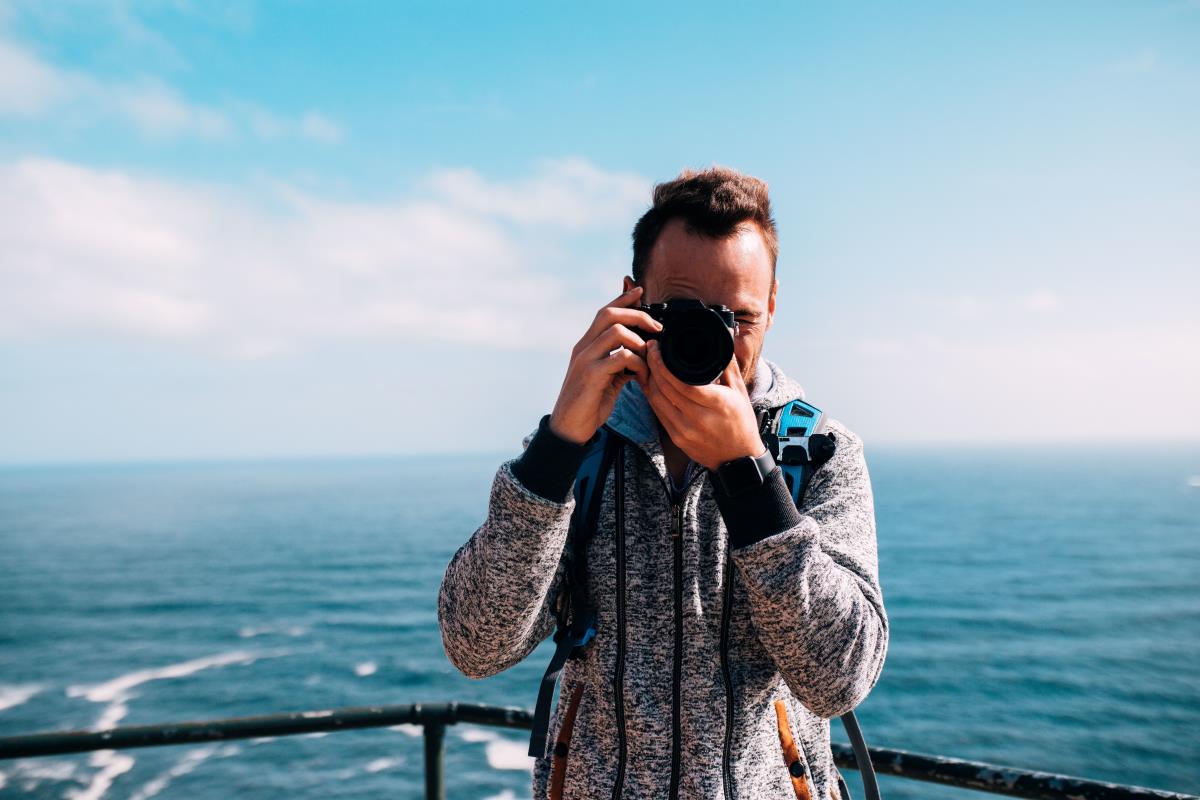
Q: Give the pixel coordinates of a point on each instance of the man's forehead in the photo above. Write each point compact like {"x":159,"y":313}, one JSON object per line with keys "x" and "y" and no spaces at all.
{"x":734,"y":270}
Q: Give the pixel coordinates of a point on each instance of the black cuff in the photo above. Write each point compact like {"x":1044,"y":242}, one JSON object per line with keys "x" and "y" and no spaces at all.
{"x":549,"y":464}
{"x":757,"y":513}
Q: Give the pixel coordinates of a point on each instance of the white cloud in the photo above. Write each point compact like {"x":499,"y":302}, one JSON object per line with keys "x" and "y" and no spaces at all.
{"x":311,"y":125}
{"x":319,"y":128}
{"x":1141,"y":63}
{"x":158,"y":110}
{"x":31,"y":87}
{"x":253,"y":274}
{"x":28,"y":87}
{"x":1041,"y":301}
{"x":572,"y":193}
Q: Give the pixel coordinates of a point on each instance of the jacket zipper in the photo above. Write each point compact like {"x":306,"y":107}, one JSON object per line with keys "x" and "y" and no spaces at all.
{"x":726,"y":774}
{"x":677,"y":667}
{"x":619,"y":677}
{"x":676,"y":676}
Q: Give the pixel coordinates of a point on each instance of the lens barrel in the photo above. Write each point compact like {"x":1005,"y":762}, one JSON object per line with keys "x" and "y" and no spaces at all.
{"x":696,"y":340}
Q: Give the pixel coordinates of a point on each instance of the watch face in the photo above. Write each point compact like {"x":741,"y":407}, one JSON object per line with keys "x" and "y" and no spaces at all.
{"x":740,"y":474}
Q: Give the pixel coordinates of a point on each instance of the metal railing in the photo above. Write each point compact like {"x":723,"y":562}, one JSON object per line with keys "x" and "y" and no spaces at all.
{"x":434,"y":717}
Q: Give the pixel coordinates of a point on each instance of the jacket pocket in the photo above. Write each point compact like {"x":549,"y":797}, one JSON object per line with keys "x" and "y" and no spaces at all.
{"x":562,"y":745}
{"x":797,"y":769}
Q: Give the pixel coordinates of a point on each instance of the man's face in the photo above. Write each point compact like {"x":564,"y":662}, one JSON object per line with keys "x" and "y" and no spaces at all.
{"x":734,"y":271}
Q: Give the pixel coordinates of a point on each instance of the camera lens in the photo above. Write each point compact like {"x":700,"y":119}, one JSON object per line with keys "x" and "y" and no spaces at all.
{"x":696,"y":344}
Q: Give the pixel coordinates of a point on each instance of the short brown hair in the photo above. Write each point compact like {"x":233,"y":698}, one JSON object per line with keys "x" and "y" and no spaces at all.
{"x":713,"y":202}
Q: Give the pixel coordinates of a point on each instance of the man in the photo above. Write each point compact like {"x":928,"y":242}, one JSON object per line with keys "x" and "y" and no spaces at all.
{"x":674,"y":698}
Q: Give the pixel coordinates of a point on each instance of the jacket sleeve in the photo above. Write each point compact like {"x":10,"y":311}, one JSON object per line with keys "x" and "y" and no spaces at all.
{"x":812,"y":578}
{"x":495,"y":604}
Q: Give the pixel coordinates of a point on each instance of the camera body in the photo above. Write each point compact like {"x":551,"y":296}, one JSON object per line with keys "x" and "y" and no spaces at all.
{"x":696,"y":340}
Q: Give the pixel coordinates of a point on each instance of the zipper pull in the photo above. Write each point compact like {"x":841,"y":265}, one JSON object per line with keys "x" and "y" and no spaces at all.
{"x":675,"y":531}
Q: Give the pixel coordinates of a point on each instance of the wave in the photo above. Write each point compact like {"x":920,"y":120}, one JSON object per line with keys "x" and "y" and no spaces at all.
{"x":31,"y":773}
{"x":408,"y":728}
{"x":189,"y":762}
{"x":109,"y":691}
{"x":12,"y":696}
{"x":507,"y":794}
{"x":112,"y":765}
{"x":249,"y":632}
{"x":117,"y":692}
{"x":380,"y":764}
{"x":502,"y":753}
{"x":365,"y":668}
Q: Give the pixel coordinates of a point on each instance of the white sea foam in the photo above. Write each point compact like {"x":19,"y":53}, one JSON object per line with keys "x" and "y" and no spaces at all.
{"x":3,"y":780}
{"x":501,"y":753}
{"x":365,"y":668}
{"x":112,"y":765}
{"x":32,"y":772}
{"x":118,"y":692}
{"x":249,"y":632}
{"x":12,"y":696}
{"x":189,"y":762}
{"x":408,"y":728}
{"x":109,"y":691}
{"x":477,"y":735}
{"x":380,"y":764}
{"x":507,"y":794}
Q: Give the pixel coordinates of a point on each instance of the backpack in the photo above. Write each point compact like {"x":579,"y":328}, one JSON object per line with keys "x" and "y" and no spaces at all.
{"x":794,"y":433}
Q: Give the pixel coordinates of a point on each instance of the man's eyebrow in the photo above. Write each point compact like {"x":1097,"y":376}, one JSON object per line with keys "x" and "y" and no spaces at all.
{"x":747,"y":312}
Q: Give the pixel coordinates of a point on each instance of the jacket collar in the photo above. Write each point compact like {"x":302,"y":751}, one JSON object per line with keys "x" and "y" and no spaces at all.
{"x":633,"y":418}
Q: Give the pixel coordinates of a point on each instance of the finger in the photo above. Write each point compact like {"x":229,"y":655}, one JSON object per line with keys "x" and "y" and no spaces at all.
{"x":664,"y":410}
{"x":732,"y":375}
{"x":623,"y":359}
{"x":680,"y":392}
{"x":633,"y":318}
{"x":627,"y":297}
{"x":616,"y":336}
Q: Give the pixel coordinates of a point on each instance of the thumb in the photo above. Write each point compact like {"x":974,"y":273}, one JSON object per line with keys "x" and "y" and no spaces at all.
{"x":732,"y":376}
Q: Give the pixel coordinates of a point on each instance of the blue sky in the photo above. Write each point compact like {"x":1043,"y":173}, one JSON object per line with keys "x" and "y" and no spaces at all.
{"x":313,"y":228}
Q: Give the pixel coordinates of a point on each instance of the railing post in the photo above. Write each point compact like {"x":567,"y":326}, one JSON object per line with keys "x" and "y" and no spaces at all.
{"x":435,"y":779}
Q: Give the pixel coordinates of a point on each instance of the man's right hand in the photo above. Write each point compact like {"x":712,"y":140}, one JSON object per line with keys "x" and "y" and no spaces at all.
{"x":596,"y":374}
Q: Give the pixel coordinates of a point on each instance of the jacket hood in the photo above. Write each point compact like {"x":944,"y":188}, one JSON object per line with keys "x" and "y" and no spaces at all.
{"x":633,"y":418}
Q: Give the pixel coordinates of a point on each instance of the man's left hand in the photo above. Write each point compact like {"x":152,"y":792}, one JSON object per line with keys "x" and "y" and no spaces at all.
{"x":713,"y":423}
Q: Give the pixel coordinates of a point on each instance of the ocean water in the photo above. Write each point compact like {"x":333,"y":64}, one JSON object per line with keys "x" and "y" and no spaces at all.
{"x":1044,"y":608}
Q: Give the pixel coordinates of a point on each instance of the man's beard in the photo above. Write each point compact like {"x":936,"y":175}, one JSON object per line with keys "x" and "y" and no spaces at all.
{"x":751,"y":372}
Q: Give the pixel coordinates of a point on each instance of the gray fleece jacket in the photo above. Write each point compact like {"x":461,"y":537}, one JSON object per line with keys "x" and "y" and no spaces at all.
{"x":731,"y":629}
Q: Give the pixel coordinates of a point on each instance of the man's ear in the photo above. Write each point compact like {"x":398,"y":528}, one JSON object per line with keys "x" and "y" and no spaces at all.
{"x":627,"y":283}
{"x":771,"y":305}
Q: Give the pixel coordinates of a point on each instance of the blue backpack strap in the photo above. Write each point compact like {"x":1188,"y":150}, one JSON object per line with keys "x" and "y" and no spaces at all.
{"x":796,"y":436}
{"x":573,"y":610}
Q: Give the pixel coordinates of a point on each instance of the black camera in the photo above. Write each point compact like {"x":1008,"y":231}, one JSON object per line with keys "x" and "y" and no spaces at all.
{"x":696,"y":340}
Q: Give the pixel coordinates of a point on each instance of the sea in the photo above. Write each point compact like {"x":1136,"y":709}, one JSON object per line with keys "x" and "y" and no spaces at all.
{"x":1044,"y":607}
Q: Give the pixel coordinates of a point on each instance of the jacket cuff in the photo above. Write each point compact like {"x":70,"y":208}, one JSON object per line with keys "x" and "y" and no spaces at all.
{"x":757,"y":513}
{"x":549,"y":464}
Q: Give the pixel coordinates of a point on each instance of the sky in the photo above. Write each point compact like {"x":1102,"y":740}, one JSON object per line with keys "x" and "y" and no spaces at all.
{"x":338,"y":229}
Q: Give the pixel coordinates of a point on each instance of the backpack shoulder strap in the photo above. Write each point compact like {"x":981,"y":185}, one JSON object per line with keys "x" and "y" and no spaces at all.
{"x":796,"y":435}
{"x":573,"y":610}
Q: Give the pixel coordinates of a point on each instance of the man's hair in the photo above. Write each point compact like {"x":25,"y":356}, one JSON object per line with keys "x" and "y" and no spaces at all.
{"x":714,"y":202}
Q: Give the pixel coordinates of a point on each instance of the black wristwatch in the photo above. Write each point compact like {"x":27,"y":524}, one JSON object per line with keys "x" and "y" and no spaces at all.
{"x":745,"y":473}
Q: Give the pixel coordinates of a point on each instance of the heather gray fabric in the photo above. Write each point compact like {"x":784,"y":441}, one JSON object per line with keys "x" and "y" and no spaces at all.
{"x":808,"y":623}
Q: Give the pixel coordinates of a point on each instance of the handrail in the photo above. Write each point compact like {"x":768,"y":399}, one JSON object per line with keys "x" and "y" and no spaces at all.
{"x":434,"y":717}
